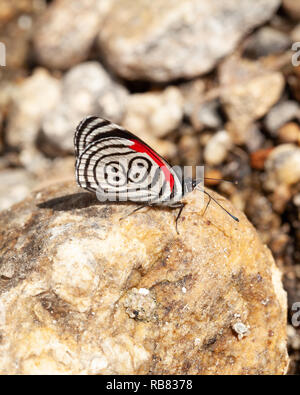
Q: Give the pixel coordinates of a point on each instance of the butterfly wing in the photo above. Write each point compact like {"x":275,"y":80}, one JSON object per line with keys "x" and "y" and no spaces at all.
{"x":119,"y":166}
{"x":87,"y":129}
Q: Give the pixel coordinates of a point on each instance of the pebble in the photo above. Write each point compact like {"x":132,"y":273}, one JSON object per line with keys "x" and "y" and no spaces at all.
{"x":249,"y":92}
{"x":266,"y":41}
{"x":217,"y":148}
{"x":283,"y":166}
{"x":240,"y":329}
{"x":259,"y":157}
{"x":289,"y":133}
{"x":280,"y":114}
{"x":207,"y":115}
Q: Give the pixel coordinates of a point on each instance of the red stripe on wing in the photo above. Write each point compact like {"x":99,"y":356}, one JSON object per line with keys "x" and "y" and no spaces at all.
{"x":140,"y":147}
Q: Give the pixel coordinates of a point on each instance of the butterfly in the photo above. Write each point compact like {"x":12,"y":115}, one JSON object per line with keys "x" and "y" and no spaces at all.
{"x":118,"y":166}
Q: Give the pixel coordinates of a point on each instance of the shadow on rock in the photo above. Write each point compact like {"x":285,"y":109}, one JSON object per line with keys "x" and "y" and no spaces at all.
{"x":71,"y":202}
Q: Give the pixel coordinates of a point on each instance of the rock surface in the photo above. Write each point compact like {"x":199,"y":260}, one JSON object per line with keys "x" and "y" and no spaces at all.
{"x":65,"y":33}
{"x":165,"y":40}
{"x":82,"y":292}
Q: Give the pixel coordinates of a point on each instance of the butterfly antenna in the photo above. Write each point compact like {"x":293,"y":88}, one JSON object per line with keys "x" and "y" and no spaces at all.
{"x":235,"y":182}
{"x":231,"y":215}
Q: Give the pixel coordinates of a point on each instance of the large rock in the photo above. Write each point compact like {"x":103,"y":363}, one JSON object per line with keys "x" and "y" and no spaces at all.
{"x":65,"y":33}
{"x":82,"y":292}
{"x":164,"y":40}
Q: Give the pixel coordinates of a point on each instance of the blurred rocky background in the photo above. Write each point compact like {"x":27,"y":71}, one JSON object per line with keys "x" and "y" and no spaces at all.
{"x":202,"y":81}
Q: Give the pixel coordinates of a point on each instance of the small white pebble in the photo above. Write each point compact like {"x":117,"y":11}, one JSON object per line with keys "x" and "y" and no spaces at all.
{"x":240,"y":329}
{"x":197,"y":341}
{"x":183,"y":289}
{"x":144,"y":291}
{"x":25,"y":22}
{"x":217,"y":148}
{"x":265,"y":301}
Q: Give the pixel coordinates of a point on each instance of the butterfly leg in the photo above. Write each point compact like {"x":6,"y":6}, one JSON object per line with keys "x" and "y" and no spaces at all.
{"x":207,"y":204}
{"x":180,"y":206}
{"x":133,"y":211}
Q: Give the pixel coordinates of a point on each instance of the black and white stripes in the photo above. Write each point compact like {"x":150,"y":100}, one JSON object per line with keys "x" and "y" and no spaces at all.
{"x":118,"y":166}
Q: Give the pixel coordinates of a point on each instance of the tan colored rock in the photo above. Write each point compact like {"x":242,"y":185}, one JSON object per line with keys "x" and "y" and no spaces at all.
{"x":217,"y":148}
{"x":165,"y":40}
{"x":289,"y":133}
{"x":248,"y":92}
{"x":283,"y":166}
{"x":82,"y":292}
{"x":65,"y":33}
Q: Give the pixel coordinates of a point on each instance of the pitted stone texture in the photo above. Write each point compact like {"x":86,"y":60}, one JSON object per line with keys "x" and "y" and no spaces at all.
{"x":83,"y":292}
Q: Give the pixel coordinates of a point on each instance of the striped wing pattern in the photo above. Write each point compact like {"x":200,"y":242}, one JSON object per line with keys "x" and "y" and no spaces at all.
{"x":119,"y":166}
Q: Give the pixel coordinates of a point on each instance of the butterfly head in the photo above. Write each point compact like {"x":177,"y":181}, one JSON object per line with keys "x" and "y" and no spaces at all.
{"x":189,"y":185}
